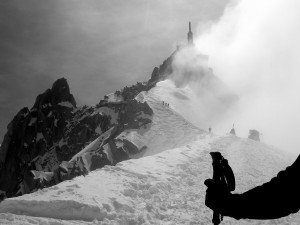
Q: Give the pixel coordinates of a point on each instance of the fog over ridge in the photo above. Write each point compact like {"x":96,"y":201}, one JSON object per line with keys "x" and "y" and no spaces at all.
{"x":255,"y":49}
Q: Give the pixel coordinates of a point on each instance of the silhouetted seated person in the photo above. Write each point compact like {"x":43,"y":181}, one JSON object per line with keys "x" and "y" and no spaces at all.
{"x":277,"y":198}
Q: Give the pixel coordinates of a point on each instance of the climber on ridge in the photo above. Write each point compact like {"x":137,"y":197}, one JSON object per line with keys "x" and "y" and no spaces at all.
{"x":232,"y":131}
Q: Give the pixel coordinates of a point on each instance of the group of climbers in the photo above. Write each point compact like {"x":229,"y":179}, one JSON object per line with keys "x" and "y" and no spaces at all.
{"x":166,"y":104}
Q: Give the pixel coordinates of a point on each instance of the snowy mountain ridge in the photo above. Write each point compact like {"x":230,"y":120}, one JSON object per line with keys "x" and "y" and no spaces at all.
{"x":41,"y":142}
{"x":163,"y":187}
{"x":137,"y":157}
{"x":166,"y":188}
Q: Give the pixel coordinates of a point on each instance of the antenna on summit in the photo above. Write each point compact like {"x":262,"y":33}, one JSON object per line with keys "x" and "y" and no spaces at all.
{"x":190,"y":35}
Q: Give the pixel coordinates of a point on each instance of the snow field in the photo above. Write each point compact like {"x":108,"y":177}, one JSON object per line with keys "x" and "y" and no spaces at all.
{"x":131,"y":191}
{"x":166,"y":188}
{"x":168,"y":129}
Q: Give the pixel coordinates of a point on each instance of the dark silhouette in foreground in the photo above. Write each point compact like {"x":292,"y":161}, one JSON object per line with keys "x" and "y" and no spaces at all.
{"x":223,"y":174}
{"x":275,"y":199}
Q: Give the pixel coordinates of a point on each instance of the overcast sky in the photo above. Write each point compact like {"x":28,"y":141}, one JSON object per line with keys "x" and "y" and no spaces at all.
{"x":99,"y":46}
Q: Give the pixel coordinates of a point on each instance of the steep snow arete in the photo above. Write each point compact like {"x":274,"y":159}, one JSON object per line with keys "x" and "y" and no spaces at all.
{"x":162,"y":188}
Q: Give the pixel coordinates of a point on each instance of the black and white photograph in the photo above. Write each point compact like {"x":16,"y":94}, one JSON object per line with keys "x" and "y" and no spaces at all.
{"x":149,"y":112}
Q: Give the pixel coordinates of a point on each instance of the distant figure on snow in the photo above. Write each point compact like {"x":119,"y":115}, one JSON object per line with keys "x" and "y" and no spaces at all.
{"x":166,"y":104}
{"x":232,"y":131}
{"x":209,"y":129}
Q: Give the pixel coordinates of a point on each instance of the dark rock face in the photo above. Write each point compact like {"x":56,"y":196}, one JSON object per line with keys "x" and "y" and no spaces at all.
{"x":159,"y":73}
{"x":33,"y":132}
{"x":163,"y":71}
{"x":109,"y":148}
{"x":155,"y":74}
{"x":55,"y":130}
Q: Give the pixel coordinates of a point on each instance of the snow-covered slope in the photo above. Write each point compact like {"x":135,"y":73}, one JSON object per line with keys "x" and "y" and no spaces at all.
{"x":168,"y":128}
{"x":197,"y":105}
{"x":166,"y":188}
{"x":163,"y":187}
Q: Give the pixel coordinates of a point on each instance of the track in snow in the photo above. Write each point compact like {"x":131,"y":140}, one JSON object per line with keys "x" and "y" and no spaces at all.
{"x":166,"y":188}
{"x":168,"y":129}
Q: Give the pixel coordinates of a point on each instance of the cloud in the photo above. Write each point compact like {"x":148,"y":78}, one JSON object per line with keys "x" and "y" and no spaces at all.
{"x":255,"y":49}
{"x":189,"y":67}
{"x":197,"y":94}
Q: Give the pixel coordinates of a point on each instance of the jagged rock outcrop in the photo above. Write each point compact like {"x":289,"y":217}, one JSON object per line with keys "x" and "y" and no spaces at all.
{"x":163,"y":71}
{"x":55,"y":130}
{"x":32,"y":132}
{"x":110,"y":147}
{"x":159,"y":73}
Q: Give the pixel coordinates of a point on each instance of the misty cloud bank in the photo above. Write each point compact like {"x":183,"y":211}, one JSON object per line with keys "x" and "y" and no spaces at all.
{"x":197,"y":94}
{"x":255,"y":49}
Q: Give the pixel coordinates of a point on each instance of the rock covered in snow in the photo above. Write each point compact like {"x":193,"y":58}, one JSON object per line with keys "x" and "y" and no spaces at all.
{"x":32,"y":133}
{"x":108,"y":148}
{"x":55,"y":130}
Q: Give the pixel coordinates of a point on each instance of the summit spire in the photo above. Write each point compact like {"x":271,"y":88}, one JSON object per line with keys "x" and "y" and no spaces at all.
{"x":190,"y":35}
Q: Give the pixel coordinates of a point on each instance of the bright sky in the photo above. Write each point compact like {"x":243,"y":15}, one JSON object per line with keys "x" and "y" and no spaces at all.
{"x":255,"y":49}
{"x":99,"y":46}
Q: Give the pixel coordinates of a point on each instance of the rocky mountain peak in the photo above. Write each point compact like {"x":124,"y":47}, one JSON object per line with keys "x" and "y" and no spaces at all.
{"x":50,"y":134}
{"x":59,"y":94}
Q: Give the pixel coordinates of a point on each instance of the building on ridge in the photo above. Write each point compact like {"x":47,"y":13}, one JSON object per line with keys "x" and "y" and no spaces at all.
{"x":190,"y":35}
